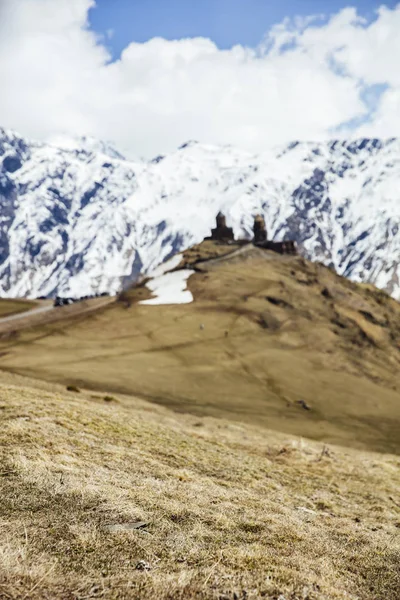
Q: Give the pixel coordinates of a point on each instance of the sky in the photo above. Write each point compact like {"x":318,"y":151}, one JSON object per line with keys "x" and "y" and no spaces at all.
{"x":226,"y":22}
{"x":149,"y":75}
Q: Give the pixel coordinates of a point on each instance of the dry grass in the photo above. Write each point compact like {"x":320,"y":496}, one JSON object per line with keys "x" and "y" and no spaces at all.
{"x":9,"y":329}
{"x":233,"y":511}
{"x":208,"y":250}
{"x":264,"y":333}
{"x":12,"y":307}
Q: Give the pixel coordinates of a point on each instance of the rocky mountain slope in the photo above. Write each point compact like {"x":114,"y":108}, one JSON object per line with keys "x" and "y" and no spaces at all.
{"x":79,"y":218}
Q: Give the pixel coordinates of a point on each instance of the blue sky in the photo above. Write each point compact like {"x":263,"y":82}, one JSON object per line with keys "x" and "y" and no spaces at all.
{"x":226,"y":22}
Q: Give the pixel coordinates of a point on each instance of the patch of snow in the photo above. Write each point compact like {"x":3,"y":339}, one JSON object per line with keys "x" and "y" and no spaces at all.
{"x":168,"y":265}
{"x":170,"y":288}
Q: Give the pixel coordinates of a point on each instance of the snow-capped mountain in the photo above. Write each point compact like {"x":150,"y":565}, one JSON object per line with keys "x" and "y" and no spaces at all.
{"x":78,"y":218}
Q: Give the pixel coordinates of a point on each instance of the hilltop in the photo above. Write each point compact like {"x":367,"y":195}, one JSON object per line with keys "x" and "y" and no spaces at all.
{"x":115,"y":498}
{"x":270,"y":340}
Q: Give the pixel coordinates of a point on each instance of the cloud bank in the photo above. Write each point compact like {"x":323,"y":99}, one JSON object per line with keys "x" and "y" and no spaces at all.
{"x":309,"y":79}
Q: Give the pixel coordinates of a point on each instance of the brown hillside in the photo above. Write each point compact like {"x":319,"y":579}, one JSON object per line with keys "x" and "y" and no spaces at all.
{"x":269,"y":339}
{"x":119,"y":499}
{"x":11,"y":307}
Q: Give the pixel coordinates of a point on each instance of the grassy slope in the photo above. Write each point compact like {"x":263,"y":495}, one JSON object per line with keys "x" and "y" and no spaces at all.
{"x":263,"y":333}
{"x":233,"y":511}
{"x":29,"y":319}
{"x":12,"y":307}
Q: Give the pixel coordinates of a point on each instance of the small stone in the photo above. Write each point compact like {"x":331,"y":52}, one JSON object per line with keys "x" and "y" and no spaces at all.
{"x":304,"y":404}
{"x":306,"y":510}
{"x":142,"y":565}
{"x":95,"y":590}
{"x":109,"y":399}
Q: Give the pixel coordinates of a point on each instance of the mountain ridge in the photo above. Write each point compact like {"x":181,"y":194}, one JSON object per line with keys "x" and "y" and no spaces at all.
{"x":83,"y":219}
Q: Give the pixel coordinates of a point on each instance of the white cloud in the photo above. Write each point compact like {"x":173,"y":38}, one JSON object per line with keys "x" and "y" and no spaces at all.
{"x":305,"y":80}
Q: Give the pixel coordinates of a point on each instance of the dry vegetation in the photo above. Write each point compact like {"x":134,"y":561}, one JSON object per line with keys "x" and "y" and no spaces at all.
{"x":12,"y":307}
{"x":266,"y":336}
{"x":229,"y":511}
{"x":9,"y":328}
{"x":208,"y":250}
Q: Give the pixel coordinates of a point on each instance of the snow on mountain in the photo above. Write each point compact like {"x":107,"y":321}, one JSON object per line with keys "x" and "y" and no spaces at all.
{"x":78,"y":218}
{"x":170,"y":288}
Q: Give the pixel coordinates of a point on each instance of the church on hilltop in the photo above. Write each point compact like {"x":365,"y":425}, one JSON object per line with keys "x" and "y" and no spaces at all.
{"x":224,"y":234}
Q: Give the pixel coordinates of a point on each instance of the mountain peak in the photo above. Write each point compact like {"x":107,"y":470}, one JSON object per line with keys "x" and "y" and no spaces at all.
{"x":88,"y":144}
{"x":77,"y":218}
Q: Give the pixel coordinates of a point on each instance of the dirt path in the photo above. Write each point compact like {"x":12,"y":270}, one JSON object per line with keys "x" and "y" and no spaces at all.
{"x":25,"y":314}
